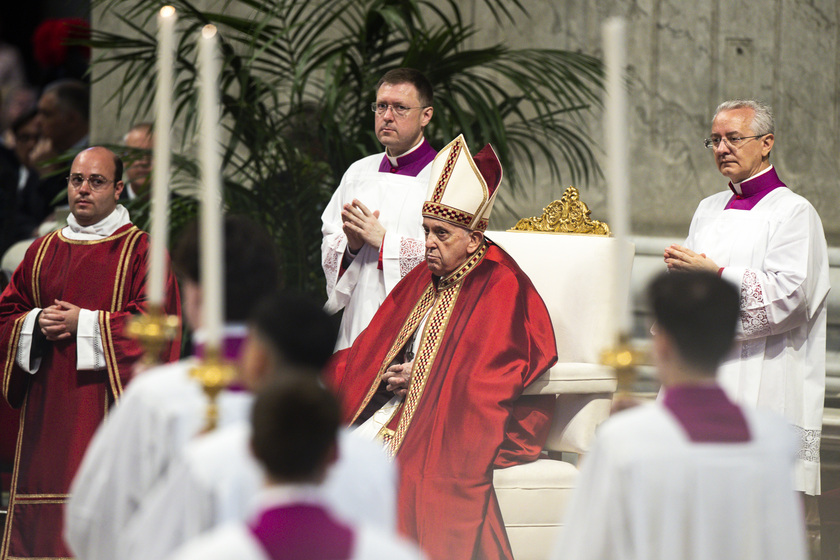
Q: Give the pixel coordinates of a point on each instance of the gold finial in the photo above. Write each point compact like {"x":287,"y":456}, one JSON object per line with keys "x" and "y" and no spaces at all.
{"x":568,"y":215}
{"x":624,"y":359}
{"x":214,"y":374}
{"x":153,"y":329}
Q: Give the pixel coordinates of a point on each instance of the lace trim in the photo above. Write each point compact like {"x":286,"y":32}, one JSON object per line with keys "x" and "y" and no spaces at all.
{"x":331,"y":263}
{"x":753,"y":313}
{"x":412,"y":253}
{"x":809,"y":444}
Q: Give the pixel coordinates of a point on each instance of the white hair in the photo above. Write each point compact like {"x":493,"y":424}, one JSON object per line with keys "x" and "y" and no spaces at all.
{"x":763,"y":121}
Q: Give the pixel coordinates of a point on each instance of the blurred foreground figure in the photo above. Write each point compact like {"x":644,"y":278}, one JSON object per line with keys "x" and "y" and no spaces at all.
{"x":294,"y":438}
{"x":693,"y":476}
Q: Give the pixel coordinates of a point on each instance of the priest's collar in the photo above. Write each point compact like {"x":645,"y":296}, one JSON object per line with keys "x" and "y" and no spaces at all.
{"x":100,"y":230}
{"x":749,"y":186}
{"x":409,"y":163}
{"x":464,"y":269}
{"x":233,"y":339}
{"x":748,"y":193}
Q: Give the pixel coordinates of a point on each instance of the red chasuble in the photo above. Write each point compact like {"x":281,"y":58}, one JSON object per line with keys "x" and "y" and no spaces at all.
{"x":61,"y":407}
{"x":488,"y":336}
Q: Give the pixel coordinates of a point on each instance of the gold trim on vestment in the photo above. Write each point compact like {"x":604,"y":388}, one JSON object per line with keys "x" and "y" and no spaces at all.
{"x":122,"y":269}
{"x":110,"y":354}
{"x":36,"y":268}
{"x":11,"y":353}
{"x":40,"y":558}
{"x":15,"y":474}
{"x":111,"y":237}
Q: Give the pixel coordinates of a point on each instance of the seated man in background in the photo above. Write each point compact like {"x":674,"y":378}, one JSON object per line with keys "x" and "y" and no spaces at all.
{"x":216,"y":479}
{"x":693,"y":476}
{"x":294,"y":438}
{"x":438,"y":374}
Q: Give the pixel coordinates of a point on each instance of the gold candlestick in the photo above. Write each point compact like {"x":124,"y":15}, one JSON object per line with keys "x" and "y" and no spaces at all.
{"x":153,"y":330}
{"x":214,"y":374}
{"x":623,"y":358}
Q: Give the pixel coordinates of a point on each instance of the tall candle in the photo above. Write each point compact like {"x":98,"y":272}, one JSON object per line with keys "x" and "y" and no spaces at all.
{"x":617,"y":155}
{"x":160,"y":179}
{"x":212,"y":244}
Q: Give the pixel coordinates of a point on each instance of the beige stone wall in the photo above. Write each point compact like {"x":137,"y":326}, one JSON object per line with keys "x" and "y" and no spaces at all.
{"x":684,"y":58}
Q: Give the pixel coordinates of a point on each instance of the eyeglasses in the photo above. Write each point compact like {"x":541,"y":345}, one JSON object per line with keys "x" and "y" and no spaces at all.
{"x":398,"y":110}
{"x":733,"y":142}
{"x":95,"y":182}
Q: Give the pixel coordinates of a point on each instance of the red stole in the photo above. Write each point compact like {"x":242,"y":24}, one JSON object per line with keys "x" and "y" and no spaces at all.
{"x":62,"y":407}
{"x":490,"y":337}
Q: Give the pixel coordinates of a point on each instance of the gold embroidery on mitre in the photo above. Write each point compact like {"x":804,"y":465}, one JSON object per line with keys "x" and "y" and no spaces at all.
{"x":568,"y":215}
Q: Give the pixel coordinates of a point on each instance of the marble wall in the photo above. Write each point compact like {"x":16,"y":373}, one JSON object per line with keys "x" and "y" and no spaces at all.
{"x":684,"y":58}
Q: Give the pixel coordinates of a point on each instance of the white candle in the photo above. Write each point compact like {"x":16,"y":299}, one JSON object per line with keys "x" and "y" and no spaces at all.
{"x":212,"y":244}
{"x":617,"y":155}
{"x":160,"y":184}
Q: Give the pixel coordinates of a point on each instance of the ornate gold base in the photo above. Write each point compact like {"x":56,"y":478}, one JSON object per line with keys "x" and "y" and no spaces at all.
{"x":153,"y":330}
{"x":214,"y":374}
{"x":624,"y":359}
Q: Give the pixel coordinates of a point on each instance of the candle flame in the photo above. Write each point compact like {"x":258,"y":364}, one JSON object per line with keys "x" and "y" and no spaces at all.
{"x":208,"y":31}
{"x":167,"y":11}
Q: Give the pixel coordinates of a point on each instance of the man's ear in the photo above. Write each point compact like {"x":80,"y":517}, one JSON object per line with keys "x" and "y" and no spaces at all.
{"x":476,"y":237}
{"x":767,"y":145}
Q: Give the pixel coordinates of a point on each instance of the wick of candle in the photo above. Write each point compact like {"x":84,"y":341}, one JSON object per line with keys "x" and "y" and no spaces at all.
{"x":208,"y":31}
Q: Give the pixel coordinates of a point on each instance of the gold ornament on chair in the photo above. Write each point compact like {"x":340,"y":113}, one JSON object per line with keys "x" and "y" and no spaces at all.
{"x":568,"y":215}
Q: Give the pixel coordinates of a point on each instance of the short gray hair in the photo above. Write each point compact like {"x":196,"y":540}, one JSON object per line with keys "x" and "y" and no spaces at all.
{"x":763,"y":121}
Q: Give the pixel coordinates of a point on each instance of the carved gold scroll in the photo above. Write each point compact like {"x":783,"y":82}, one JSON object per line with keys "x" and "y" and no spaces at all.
{"x":567,"y":215}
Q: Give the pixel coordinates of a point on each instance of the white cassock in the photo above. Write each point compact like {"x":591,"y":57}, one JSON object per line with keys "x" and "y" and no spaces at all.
{"x":363,"y":286}
{"x":646,"y":492}
{"x":235,"y":541}
{"x":216,"y":481}
{"x":776,"y":255}
{"x":159,"y":412}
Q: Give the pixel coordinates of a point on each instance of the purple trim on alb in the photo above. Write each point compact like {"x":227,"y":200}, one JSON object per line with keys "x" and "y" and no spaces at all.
{"x":231,"y":348}
{"x":753,"y":190}
{"x":302,"y":531}
{"x":707,"y":414}
{"x":411,"y":164}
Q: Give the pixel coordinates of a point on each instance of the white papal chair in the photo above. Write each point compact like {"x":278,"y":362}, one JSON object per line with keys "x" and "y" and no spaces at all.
{"x":574,"y":274}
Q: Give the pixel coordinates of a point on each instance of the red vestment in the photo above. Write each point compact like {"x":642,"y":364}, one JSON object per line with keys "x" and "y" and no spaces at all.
{"x":487,"y":337}
{"x":62,"y":406}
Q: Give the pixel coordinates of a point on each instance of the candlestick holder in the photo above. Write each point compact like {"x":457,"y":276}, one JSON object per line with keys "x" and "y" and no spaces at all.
{"x":153,"y":330}
{"x":214,"y":374}
{"x":624,"y":359}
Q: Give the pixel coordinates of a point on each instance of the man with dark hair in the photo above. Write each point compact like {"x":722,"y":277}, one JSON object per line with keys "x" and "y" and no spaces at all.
{"x":769,"y":242}
{"x":166,"y":406}
{"x":294,"y":438}
{"x":140,"y":141}
{"x":693,"y":476}
{"x":64,"y":116}
{"x":371,"y":227}
{"x":20,"y":203}
{"x":216,"y":480}
{"x":64,"y":346}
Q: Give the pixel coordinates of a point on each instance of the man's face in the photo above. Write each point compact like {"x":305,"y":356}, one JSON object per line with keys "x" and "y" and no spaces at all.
{"x":87,"y":204}
{"x":448,"y":246}
{"x":741,"y":161}
{"x":400,"y":134}
{"x":57,"y":124}
{"x":25,"y":139}
{"x":139,"y":169}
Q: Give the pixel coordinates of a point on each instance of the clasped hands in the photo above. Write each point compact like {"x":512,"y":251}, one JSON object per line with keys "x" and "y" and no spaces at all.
{"x":59,"y":321}
{"x":397,"y":377}
{"x":682,"y":259}
{"x":361,"y":226}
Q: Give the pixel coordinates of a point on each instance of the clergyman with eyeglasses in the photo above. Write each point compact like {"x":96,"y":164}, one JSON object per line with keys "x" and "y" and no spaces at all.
{"x":373,"y":234}
{"x":64,"y":350}
{"x":769,"y":242}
